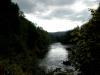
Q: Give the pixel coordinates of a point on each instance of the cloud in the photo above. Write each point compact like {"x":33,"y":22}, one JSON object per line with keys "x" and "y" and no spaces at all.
{"x":57,"y":2}
{"x":74,"y":10}
{"x":40,"y":6}
{"x":59,"y":13}
{"x":58,"y":8}
{"x":79,"y":11}
{"x":90,"y":2}
{"x":26,"y":6}
{"x":69,"y":15}
{"x":81,"y":16}
{"x":31,"y":6}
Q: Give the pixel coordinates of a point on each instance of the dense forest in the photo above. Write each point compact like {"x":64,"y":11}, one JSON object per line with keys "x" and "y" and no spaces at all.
{"x":85,"y":52}
{"x":22,"y":43}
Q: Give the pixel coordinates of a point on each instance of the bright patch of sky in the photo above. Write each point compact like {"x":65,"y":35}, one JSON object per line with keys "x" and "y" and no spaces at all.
{"x":57,"y":15}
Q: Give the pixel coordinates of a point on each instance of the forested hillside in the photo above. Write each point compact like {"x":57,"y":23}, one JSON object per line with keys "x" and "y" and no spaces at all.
{"x":85,"y":53}
{"x":21,"y":42}
{"x":57,"y":36}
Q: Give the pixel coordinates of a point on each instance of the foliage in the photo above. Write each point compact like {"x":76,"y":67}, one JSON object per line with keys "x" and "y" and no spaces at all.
{"x":86,"y":40}
{"x":22,"y":44}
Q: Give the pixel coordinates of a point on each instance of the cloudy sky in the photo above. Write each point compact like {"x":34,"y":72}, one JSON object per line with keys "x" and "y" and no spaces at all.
{"x":57,"y":15}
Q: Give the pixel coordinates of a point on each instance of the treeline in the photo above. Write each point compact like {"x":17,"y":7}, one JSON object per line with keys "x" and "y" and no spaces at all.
{"x":57,"y":36}
{"x":63,"y":37}
{"x":21,"y":42}
{"x":85,"y":52}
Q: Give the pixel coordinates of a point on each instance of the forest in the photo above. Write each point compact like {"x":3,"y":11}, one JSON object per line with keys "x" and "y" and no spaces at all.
{"x":22,"y":43}
{"x":85,"y":51}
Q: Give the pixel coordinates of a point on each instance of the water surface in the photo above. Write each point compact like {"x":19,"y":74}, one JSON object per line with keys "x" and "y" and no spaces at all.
{"x":54,"y":58}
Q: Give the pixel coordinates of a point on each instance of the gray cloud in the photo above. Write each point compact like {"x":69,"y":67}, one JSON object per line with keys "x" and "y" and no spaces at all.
{"x":64,"y":2}
{"x":98,"y":1}
{"x":31,"y":6}
{"x":40,"y":6}
{"x":82,"y":16}
{"x":90,"y":2}
{"x":68,"y":14}
{"x":57,"y":2}
{"x":59,"y":13}
{"x":26,"y":6}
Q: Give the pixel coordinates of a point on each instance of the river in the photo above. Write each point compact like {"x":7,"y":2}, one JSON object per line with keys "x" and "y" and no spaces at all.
{"x":54,"y":58}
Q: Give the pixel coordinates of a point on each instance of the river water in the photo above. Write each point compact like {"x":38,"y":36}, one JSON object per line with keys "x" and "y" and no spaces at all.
{"x":54,"y":58}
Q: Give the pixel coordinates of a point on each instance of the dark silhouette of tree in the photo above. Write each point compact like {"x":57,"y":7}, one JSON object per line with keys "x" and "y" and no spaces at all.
{"x":85,"y":54}
{"x":9,"y":17}
{"x":9,"y":24}
{"x":22,"y":44}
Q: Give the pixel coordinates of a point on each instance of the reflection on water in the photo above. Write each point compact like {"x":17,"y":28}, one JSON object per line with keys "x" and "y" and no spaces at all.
{"x":55,"y":57}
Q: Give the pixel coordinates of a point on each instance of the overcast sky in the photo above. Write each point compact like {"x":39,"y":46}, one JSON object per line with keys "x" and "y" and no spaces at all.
{"x":57,"y":15}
